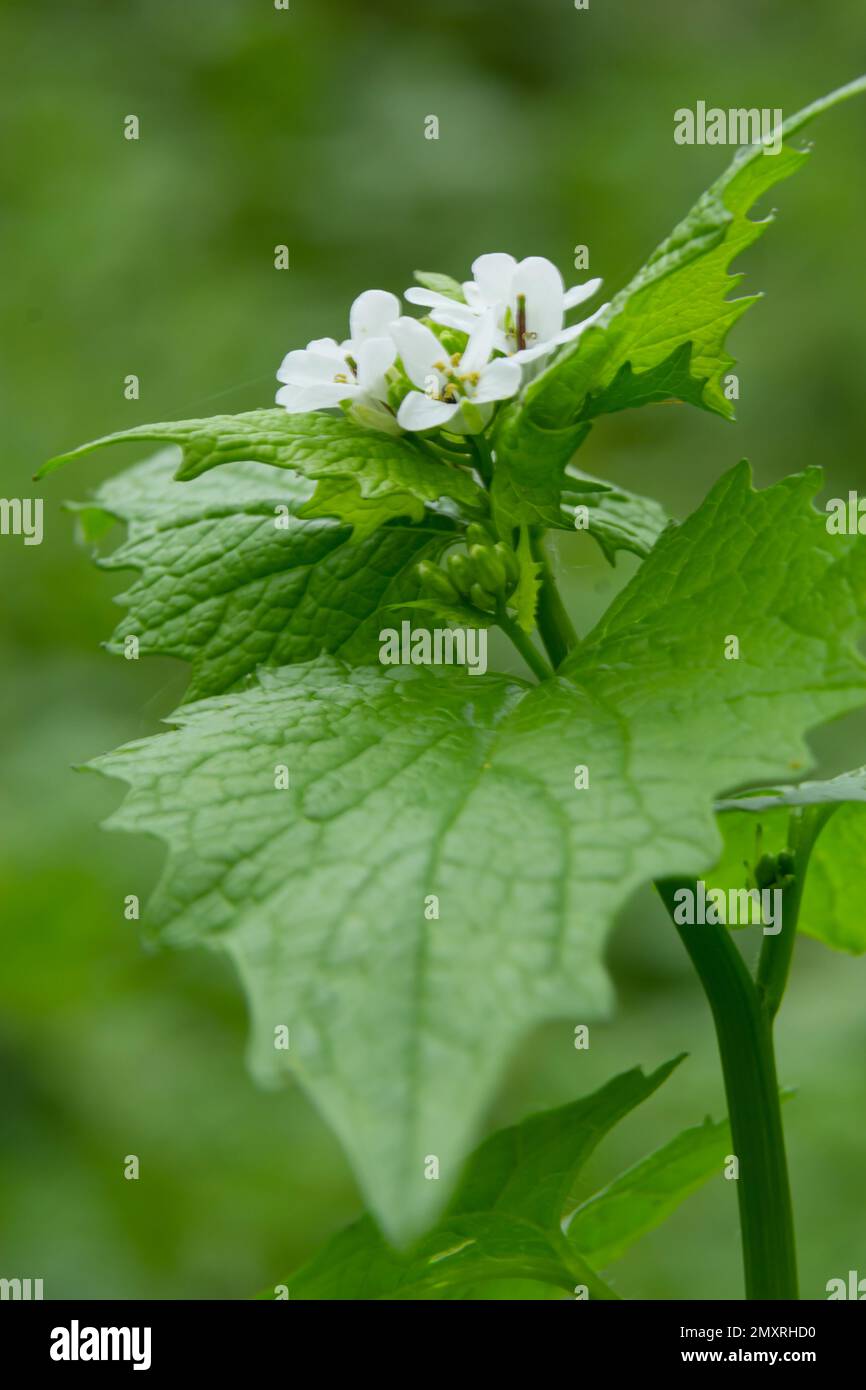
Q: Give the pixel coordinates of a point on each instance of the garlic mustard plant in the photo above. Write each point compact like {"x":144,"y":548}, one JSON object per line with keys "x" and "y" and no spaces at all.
{"x":412,"y":864}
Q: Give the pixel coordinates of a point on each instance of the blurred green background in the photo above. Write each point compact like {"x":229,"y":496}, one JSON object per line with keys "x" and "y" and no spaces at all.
{"x":155,"y":257}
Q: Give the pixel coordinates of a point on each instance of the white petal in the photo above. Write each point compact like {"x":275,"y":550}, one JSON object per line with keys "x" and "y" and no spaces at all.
{"x":493,"y":274}
{"x":375,"y":356}
{"x":541,"y":283}
{"x":474,"y":297}
{"x":302,"y":366}
{"x":578,"y":293}
{"x":326,"y":347}
{"x":567,"y":335}
{"x":480,"y":345}
{"x":419,"y":412}
{"x":372,"y":314}
{"x":441,"y":309}
{"x":419,"y":349}
{"x":319,"y":397}
{"x":416,"y":294}
{"x":532,"y":354}
{"x":498,"y":381}
{"x":455,"y":316}
{"x":501,"y":342}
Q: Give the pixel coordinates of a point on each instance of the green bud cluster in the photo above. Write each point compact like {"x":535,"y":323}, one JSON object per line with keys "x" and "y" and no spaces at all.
{"x":774,"y":871}
{"x":483,"y":575}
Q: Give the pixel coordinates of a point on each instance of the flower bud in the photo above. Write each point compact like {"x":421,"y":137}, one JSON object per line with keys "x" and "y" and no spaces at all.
{"x":436,"y":583}
{"x":460,"y":572}
{"x":482,"y":599}
{"x":488,"y":567}
{"x":476,"y":534}
{"x":510,"y":562}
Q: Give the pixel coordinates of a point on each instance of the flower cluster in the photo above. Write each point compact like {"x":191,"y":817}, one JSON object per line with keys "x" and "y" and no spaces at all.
{"x":476,"y":345}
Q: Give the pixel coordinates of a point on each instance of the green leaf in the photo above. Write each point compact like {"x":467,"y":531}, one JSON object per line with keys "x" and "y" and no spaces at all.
{"x":603,"y":1228}
{"x":662,"y":336}
{"x":530,"y":466}
{"x":616,"y":518}
{"x":441,"y":284}
{"x":504,"y":1220}
{"x":222,"y":585}
{"x":341,"y":500}
{"x":833,"y":906}
{"x":386,"y":470}
{"x":453,"y":614}
{"x":409,"y":782}
{"x":669,"y":382}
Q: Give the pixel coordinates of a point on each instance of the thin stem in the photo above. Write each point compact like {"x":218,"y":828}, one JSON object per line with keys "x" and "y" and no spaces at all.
{"x":425,"y":446}
{"x":483,"y":456}
{"x":554,"y":625}
{"x":454,"y":446}
{"x":436,"y":451}
{"x":466,"y":456}
{"x":744,"y":1032}
{"x":804,"y":827}
{"x":523,"y":642}
{"x":584,"y":1273}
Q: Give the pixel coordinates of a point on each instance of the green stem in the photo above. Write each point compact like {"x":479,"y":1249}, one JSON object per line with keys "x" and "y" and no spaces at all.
{"x":554,"y":625}
{"x":804,"y":827}
{"x":483,"y":456}
{"x":524,"y":644}
{"x":464,"y":455}
{"x":584,"y":1273}
{"x":437,"y":452}
{"x":744,"y":1032}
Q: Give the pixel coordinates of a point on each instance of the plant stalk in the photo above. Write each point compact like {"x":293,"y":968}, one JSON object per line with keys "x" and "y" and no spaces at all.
{"x":483,"y":456}
{"x":524,"y":644}
{"x":743,"y":1011}
{"x":804,"y":827}
{"x":744,"y":1033}
{"x":554,"y":625}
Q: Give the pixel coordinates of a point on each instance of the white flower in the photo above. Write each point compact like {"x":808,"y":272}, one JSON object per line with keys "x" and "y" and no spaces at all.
{"x":459,"y":390}
{"x":527,"y":298}
{"x":326,"y":373}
